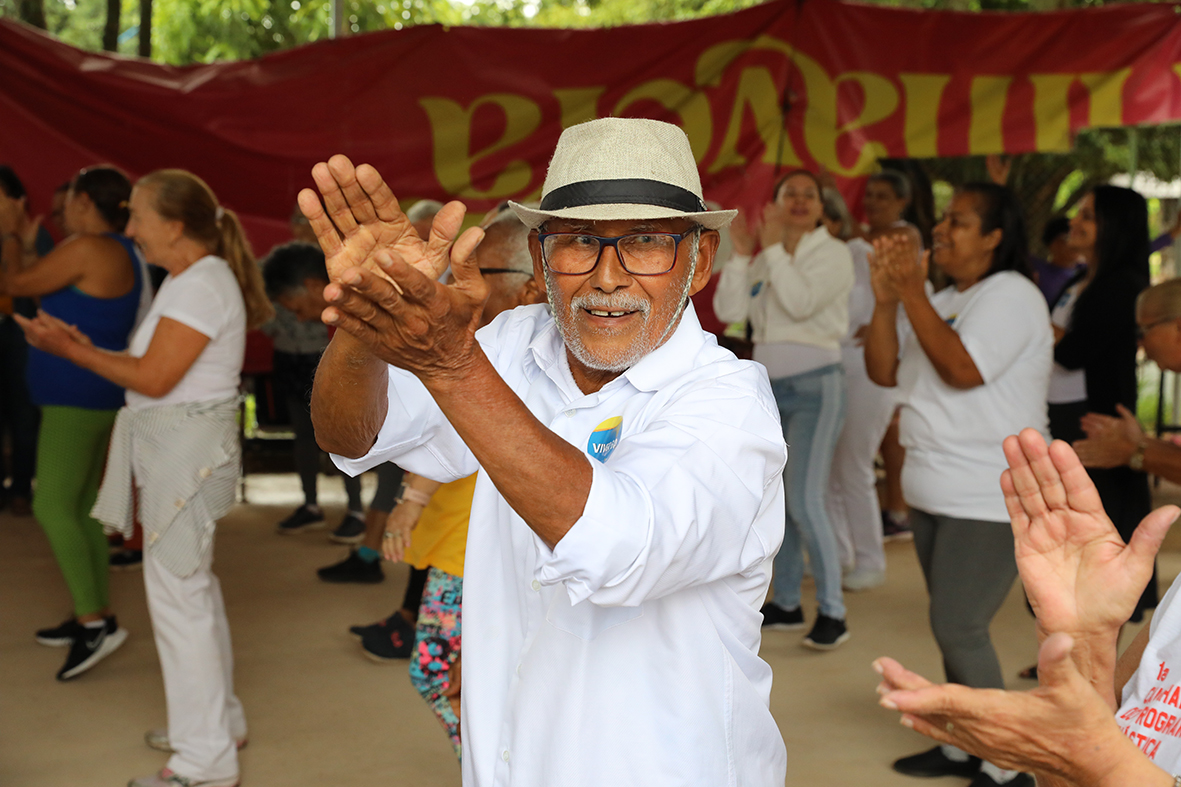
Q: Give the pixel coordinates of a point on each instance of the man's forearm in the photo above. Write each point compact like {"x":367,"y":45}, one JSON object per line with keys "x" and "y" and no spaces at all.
{"x":349,"y":397}
{"x":545,"y":479}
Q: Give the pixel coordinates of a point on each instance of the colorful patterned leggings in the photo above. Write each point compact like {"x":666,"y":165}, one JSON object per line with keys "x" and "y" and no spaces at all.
{"x":436,"y":646}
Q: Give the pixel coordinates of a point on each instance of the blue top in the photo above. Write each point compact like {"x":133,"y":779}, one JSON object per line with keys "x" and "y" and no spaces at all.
{"x":107,"y":321}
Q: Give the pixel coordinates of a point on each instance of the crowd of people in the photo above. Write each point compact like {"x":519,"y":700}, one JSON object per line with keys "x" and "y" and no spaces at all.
{"x":698,"y":490}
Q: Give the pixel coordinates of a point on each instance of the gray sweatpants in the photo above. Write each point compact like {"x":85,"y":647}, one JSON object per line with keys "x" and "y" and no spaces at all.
{"x":969,"y":568}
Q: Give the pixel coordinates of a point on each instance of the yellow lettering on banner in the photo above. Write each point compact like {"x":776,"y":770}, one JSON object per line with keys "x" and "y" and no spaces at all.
{"x":756,"y":92}
{"x":923,"y":95}
{"x":451,"y":130}
{"x":578,"y":105}
{"x":1051,"y":110}
{"x":691,"y":106}
{"x":1051,"y":104}
{"x":988,"y":98}
{"x":1107,"y":96}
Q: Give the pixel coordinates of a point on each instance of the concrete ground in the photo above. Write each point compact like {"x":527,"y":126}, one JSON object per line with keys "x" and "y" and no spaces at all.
{"x":321,"y":715}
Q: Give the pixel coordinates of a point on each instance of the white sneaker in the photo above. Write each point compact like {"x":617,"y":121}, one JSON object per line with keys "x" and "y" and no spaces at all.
{"x":863,"y":579}
{"x":158,"y":740}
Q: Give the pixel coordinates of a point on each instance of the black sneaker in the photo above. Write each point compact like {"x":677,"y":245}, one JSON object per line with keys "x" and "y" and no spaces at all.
{"x":895,"y":531}
{"x":60,"y":636}
{"x":127,"y":560}
{"x":393,"y":640}
{"x":90,"y":647}
{"x":776,"y":617}
{"x":303,"y":518}
{"x":353,"y":569}
{"x":982,"y":779}
{"x":350,"y":531}
{"x":933,"y":762}
{"x":827,"y":633}
{"x":360,"y":631}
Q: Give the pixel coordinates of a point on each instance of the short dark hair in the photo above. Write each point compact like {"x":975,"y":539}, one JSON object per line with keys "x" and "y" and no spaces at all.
{"x":998,"y":209}
{"x":286,"y":267}
{"x":1055,"y":227}
{"x":10,"y":184}
{"x":109,"y":189}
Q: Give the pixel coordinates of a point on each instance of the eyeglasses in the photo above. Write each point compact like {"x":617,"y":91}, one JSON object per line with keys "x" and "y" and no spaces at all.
{"x":1142,"y":330}
{"x":486,"y":271}
{"x":640,"y":253}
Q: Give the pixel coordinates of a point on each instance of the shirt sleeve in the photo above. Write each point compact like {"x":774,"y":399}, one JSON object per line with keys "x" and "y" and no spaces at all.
{"x":732,"y":296}
{"x":804,"y":284}
{"x":1000,"y":323}
{"x":199,"y":304}
{"x":695,"y":497}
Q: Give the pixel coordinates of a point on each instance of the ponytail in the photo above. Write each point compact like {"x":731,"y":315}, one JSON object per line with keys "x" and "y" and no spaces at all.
{"x":182,"y":196}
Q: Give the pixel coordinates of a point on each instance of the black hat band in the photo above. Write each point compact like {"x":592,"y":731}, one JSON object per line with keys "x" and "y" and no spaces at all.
{"x":625,"y":191}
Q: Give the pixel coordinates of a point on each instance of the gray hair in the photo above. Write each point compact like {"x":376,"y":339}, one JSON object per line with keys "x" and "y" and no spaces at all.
{"x":1162,"y":302}
{"x":835,"y":209}
{"x":511,"y":232}
{"x":898,"y":182}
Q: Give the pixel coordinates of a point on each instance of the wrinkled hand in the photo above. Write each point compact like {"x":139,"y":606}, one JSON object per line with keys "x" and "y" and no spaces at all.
{"x":408,"y":319}
{"x":742,"y":235}
{"x":49,"y":334}
{"x":1110,"y":440}
{"x":360,"y":218}
{"x":1062,"y":728}
{"x":1080,"y":577}
{"x":399,"y":524}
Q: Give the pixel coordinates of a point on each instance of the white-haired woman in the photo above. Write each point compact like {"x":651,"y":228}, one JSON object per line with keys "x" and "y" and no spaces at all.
{"x":176,"y":445}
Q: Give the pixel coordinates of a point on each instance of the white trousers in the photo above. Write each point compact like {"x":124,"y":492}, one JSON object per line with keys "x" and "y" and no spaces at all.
{"x":853,"y":507}
{"x":205,"y":718}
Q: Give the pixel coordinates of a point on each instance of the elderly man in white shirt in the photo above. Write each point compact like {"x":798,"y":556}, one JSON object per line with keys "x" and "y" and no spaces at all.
{"x":630,"y":497}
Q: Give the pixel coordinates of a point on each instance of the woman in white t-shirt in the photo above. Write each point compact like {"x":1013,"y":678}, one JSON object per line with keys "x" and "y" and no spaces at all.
{"x":973,"y":368}
{"x":795,"y":293}
{"x":176,"y":443}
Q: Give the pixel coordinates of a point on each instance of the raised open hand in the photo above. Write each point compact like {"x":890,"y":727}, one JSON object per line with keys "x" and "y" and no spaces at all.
{"x":900,"y":263}
{"x":360,"y":217}
{"x":1081,"y":578}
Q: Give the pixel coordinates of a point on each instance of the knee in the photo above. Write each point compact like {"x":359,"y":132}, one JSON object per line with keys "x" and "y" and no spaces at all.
{"x":956,"y":634}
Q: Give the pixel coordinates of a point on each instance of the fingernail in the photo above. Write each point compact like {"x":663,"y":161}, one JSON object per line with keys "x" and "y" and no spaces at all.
{"x":886,"y":702}
{"x":354,"y":278}
{"x":329,"y":318}
{"x":878,"y":668}
{"x":907,"y":721}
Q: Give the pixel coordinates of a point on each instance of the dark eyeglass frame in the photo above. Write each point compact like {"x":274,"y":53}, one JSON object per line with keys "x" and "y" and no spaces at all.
{"x":1141,"y":330}
{"x":613,"y":241}
{"x":486,"y":271}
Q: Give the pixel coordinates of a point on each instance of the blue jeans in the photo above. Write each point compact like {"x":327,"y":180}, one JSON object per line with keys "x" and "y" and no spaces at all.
{"x":812,"y":409}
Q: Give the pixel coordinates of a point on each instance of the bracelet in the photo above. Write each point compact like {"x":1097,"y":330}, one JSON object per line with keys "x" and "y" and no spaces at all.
{"x":407,"y":494}
{"x":1136,"y":462}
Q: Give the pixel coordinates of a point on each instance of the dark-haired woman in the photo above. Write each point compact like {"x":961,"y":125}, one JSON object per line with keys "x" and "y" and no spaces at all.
{"x":176,"y":444}
{"x":795,"y":292}
{"x":1096,"y":354}
{"x":973,"y":369}
{"x":96,"y":281}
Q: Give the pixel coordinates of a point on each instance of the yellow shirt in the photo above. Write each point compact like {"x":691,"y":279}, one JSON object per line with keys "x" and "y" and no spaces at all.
{"x":440,"y":537}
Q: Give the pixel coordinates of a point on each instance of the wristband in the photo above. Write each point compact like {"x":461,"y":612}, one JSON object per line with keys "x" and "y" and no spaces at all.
{"x":407,"y":494}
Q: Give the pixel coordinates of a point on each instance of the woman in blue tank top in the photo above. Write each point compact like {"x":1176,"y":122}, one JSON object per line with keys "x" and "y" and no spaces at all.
{"x":96,"y":281}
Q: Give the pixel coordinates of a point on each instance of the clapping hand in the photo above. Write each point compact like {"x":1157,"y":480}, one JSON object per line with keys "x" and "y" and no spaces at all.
{"x":742,"y":235}
{"x":1080,"y":577}
{"x":1110,"y":440}
{"x":898,"y":267}
{"x":1062,"y":728}
{"x":49,"y":334}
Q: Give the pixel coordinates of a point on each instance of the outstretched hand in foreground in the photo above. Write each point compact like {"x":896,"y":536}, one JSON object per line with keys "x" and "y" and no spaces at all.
{"x":1080,"y":577}
{"x":1062,"y":729}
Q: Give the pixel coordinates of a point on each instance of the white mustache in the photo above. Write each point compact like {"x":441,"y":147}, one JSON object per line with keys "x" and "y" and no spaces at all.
{"x":619,"y":302}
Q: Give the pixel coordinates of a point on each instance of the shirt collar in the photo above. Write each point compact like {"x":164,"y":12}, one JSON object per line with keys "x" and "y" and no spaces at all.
{"x":654,"y":371}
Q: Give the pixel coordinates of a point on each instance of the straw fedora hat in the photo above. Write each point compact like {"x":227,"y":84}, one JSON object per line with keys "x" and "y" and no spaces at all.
{"x":623,"y":168}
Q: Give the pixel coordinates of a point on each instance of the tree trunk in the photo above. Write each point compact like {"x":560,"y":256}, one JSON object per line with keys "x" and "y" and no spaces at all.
{"x":145,"y":28}
{"x":32,"y":12}
{"x":111,"y":28}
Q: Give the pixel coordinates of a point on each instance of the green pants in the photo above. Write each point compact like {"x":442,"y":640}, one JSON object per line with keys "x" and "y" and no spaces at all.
{"x":71,"y":452}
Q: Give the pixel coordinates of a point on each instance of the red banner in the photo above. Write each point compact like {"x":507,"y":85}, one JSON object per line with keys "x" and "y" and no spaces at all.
{"x":473,"y":113}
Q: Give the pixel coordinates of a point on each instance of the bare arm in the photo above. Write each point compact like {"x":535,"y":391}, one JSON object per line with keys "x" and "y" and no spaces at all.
{"x":881,"y":334}
{"x":349,"y":401}
{"x":940,"y":342}
{"x":173,"y":350}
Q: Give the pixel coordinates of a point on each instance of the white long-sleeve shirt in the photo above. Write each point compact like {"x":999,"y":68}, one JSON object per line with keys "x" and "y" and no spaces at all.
{"x":627,"y":655}
{"x":801,"y":298}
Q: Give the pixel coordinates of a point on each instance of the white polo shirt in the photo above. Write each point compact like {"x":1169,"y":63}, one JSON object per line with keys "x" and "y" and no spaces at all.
{"x":629,"y":653}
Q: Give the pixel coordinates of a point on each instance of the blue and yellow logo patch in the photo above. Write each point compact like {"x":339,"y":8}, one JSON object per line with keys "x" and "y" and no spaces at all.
{"x":604,"y":439}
